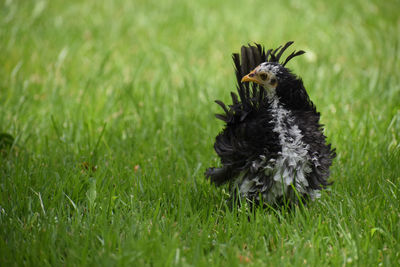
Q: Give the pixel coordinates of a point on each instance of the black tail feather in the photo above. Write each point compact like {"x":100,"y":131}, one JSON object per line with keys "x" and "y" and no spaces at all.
{"x":292,"y":55}
{"x":222,"y":105}
{"x":278,"y":57}
{"x":222,"y":117}
{"x":273,"y":57}
{"x":235,"y":100}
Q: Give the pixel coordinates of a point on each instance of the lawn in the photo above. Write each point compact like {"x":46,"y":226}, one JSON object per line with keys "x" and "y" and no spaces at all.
{"x":110,"y":105}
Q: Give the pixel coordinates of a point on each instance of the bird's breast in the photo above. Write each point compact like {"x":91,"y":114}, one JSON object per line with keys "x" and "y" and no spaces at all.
{"x":274,"y":177}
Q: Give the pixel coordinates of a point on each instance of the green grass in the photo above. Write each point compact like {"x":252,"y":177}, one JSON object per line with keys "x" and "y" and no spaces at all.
{"x":111,"y":107}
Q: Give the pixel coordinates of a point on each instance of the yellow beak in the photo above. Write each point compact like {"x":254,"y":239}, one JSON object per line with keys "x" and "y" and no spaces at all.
{"x":251,"y":77}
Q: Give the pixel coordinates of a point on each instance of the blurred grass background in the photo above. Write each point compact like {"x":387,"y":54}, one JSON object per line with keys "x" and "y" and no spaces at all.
{"x":111,"y":107}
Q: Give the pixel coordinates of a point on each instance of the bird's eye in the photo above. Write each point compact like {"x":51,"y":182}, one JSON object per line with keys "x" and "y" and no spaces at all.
{"x":273,"y":81}
{"x":263,"y":76}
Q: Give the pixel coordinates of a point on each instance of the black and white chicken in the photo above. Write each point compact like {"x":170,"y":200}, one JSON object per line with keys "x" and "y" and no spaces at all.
{"x":272,"y":148}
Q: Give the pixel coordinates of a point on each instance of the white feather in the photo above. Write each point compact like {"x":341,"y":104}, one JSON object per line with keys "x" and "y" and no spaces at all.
{"x":292,"y":165}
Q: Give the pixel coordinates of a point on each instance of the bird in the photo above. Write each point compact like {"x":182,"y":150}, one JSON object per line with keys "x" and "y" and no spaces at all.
{"x":272,"y":148}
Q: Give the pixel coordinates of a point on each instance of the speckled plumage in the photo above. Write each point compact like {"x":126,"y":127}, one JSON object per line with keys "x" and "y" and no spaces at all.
{"x":272,"y":144}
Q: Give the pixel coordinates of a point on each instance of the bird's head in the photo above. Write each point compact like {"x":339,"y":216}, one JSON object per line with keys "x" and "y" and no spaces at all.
{"x":279,"y":82}
{"x":276,"y":79}
{"x":272,"y":75}
{"x":267,"y":74}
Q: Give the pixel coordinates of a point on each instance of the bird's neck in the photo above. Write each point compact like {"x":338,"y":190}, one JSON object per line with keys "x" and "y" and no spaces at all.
{"x":271,"y":95}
